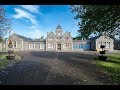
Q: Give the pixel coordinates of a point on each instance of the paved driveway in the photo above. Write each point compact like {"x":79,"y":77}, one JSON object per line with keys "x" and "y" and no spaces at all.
{"x":54,"y":68}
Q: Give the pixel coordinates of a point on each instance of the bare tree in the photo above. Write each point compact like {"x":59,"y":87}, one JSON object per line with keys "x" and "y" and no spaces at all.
{"x":5,"y":25}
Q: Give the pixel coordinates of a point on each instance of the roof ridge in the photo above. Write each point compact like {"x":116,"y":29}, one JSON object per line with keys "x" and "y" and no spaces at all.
{"x":23,"y":37}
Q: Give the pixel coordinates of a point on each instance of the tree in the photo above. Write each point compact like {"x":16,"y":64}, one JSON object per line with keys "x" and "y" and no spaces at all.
{"x":77,"y":38}
{"x":97,"y":19}
{"x":4,"y":23}
{"x":42,"y":38}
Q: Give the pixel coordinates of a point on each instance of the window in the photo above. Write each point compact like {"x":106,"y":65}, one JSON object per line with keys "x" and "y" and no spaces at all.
{"x":15,"y":44}
{"x":42,"y":45}
{"x":31,"y":46}
{"x":52,"y":45}
{"x":105,"y":44}
{"x":67,"y":45}
{"x":81,"y":46}
{"x":109,"y":44}
{"x":75,"y":46}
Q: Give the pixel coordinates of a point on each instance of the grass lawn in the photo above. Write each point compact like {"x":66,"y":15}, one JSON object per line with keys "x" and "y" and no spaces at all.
{"x":111,"y":66}
{"x":4,"y":62}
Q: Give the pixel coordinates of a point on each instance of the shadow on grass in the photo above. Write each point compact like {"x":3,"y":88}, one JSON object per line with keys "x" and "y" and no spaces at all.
{"x":113,"y":61}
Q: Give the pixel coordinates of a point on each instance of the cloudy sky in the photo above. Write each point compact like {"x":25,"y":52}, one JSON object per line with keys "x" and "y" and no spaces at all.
{"x":35,"y":21}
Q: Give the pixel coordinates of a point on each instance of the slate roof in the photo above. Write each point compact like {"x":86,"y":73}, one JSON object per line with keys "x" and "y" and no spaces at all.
{"x":4,"y":41}
{"x":29,"y":39}
{"x":37,"y":41}
{"x":94,"y":38}
{"x":24,"y":38}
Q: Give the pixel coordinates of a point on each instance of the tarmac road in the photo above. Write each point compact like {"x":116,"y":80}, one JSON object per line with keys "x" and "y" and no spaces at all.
{"x":54,"y":68}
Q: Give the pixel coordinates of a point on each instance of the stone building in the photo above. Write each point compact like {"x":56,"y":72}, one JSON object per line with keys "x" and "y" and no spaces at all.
{"x":58,"y":41}
{"x":22,"y":43}
{"x":102,"y":39}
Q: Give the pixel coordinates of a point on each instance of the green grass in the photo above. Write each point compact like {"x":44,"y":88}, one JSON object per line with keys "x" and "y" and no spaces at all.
{"x":111,"y":66}
{"x":4,"y":62}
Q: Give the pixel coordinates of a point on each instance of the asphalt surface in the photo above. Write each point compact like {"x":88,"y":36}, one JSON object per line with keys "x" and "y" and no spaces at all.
{"x":54,"y":68}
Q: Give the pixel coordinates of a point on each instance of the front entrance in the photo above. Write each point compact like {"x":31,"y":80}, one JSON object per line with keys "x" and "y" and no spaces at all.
{"x":58,"y":46}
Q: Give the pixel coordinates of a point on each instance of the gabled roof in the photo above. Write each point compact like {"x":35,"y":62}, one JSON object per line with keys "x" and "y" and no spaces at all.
{"x":58,"y":27}
{"x":24,"y":38}
{"x":94,"y":38}
{"x":37,"y":41}
{"x":51,"y":34}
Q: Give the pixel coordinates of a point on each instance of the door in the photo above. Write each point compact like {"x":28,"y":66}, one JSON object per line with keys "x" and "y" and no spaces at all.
{"x":58,"y":46}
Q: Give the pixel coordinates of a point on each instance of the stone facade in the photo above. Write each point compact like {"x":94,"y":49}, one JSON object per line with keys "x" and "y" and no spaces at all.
{"x":22,"y":43}
{"x":36,"y":45}
{"x":102,"y":40}
{"x":57,"y":41}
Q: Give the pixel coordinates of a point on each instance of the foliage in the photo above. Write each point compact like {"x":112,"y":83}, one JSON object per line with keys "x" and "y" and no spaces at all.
{"x":97,"y":19}
{"x":112,"y":67}
{"x":42,"y":38}
{"x":77,"y":38}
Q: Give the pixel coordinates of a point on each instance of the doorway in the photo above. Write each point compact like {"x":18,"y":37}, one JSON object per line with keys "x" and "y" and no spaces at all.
{"x":59,"y":46}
